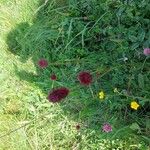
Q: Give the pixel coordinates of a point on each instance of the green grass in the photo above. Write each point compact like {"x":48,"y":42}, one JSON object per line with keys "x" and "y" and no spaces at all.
{"x":73,"y":37}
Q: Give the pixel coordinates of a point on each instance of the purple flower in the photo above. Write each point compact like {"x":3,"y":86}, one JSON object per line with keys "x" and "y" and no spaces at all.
{"x":85,"y":78}
{"x":146,"y":51}
{"x":107,"y":128}
{"x":42,"y":63}
{"x":78,"y":127}
{"x":53,"y":77}
{"x":58,"y":94}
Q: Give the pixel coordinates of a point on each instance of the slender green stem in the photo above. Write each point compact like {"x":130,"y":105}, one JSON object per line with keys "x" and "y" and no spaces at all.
{"x":52,"y":84}
{"x":143,"y":64}
{"x":91,"y":91}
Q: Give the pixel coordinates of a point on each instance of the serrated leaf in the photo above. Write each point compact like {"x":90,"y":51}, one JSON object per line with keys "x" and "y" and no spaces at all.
{"x":141,"y":81}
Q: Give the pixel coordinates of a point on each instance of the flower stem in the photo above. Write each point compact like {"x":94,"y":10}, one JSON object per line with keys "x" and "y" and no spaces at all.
{"x":91,"y":91}
{"x":143,"y":64}
{"x":52,"y":84}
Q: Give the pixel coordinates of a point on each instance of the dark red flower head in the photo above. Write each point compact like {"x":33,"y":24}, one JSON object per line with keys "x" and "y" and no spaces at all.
{"x":42,"y":63}
{"x":78,"y":127}
{"x":58,"y":94}
{"x":53,"y":77}
{"x":85,"y":78}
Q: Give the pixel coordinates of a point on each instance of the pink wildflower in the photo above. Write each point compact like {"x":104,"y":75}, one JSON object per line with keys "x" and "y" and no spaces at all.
{"x":146,"y":51}
{"x":107,"y":128}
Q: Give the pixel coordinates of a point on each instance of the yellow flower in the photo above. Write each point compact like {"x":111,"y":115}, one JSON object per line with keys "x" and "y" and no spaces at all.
{"x":101,"y":95}
{"x":134,"y":105}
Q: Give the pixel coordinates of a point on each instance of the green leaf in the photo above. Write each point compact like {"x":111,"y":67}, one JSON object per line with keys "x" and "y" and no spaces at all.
{"x":148,"y":124}
{"x":141,"y":81}
{"x":141,"y":35}
{"x":120,"y":11}
{"x":134,"y":46}
{"x":135,"y":126}
{"x":132,"y":38}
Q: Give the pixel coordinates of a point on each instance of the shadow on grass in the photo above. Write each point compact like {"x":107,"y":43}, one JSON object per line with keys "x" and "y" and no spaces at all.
{"x":46,"y":38}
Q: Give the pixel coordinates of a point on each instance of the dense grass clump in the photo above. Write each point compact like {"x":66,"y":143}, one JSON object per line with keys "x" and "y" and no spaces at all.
{"x":94,"y":55}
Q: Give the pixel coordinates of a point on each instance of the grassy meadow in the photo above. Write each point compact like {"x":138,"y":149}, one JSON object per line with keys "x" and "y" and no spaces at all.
{"x":103,"y":37}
